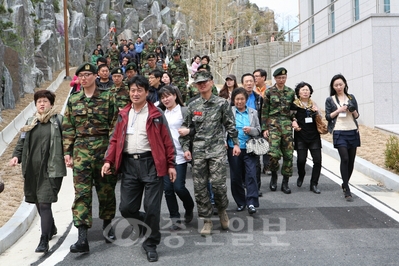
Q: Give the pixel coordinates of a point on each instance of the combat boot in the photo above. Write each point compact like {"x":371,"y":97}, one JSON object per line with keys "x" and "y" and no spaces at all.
{"x":109,"y":233}
{"x":43,"y":245}
{"x":82,"y":245}
{"x":273,"y":181}
{"x":224,"y":219}
{"x":284,"y":185}
{"x":207,"y":228}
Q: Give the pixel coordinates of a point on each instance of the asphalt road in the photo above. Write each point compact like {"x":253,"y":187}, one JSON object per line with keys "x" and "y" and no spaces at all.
{"x":302,"y":228}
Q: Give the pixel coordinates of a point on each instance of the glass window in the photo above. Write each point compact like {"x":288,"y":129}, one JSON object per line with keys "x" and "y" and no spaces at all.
{"x":387,"y":6}
{"x":356,"y":10}
{"x":331,"y":19}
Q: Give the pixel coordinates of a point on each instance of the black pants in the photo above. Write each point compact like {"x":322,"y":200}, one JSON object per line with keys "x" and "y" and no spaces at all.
{"x":302,"y":153}
{"x":140,"y":177}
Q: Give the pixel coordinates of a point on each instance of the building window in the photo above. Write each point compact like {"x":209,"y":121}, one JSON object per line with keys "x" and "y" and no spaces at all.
{"x":387,"y":6}
{"x":331,"y":19}
{"x":311,"y":23}
{"x":355,"y":10}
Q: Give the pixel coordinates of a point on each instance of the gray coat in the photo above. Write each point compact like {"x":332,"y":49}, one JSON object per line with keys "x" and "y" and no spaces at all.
{"x":331,"y":107}
{"x":253,"y":119}
{"x":56,"y":163}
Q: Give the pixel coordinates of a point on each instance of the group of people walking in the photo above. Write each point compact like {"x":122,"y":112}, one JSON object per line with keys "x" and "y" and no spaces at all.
{"x":149,"y":141}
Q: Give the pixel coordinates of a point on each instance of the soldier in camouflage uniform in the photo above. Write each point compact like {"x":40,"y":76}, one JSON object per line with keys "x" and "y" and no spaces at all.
{"x":152,"y":65}
{"x":152,"y":45}
{"x":193,"y":92}
{"x":120,"y":88}
{"x":113,"y":53}
{"x":179,"y":71}
{"x":131,"y":71}
{"x":277,"y":126}
{"x":210,"y":116}
{"x":89,"y":119}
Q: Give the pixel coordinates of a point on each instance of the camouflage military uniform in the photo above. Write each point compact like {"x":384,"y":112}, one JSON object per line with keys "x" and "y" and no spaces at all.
{"x":179,"y":72}
{"x":152,"y":47}
{"x":114,"y":55}
{"x":193,"y":91}
{"x":147,"y":70}
{"x":209,"y":118}
{"x":122,"y":97}
{"x":87,"y":124}
{"x":277,"y":119}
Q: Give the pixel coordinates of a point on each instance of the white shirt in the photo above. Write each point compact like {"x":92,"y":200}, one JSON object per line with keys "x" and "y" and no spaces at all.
{"x":136,"y":140}
{"x":175,"y":119}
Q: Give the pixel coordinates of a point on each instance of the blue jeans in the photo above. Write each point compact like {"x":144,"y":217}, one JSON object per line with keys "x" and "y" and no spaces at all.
{"x":243,"y":165}
{"x":179,"y":188}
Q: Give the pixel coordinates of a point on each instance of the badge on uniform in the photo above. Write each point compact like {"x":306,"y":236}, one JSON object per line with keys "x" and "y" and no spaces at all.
{"x":197,"y":113}
{"x":308,"y":120}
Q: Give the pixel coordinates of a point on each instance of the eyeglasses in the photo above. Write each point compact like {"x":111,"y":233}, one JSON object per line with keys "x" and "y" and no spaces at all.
{"x":84,"y":75}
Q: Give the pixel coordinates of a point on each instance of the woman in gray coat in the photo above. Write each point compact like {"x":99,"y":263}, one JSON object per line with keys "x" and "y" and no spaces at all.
{"x":39,"y":150}
{"x":243,"y":166}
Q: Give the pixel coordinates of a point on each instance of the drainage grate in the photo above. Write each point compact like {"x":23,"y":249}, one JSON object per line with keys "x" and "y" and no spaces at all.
{"x":374,"y":188}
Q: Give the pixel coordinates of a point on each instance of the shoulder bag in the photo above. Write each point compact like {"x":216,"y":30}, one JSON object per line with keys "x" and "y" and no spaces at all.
{"x":257,"y":146}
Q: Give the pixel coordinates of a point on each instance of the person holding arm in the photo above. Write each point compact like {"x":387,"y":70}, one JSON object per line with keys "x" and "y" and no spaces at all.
{"x":341,"y":114}
{"x":39,"y":150}
{"x":306,"y":136}
{"x":174,"y":109}
{"x":243,"y":166}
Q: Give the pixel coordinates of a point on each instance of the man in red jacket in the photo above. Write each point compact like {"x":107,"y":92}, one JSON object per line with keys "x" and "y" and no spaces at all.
{"x":142,"y":149}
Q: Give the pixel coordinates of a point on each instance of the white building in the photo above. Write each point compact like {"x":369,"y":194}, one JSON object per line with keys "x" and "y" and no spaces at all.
{"x":357,"y":38}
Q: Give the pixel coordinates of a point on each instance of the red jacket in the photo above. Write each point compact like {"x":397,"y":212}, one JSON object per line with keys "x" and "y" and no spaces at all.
{"x":159,"y":137}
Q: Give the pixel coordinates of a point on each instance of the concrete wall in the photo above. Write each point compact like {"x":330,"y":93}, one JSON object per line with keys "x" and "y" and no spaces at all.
{"x":366,"y":54}
{"x":247,"y":59}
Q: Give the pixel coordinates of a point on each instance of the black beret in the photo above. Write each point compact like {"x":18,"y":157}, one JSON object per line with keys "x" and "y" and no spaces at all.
{"x":131,"y":66}
{"x":151,"y":56}
{"x":176,"y":52}
{"x":86,"y":67}
{"x":117,"y":70}
{"x":205,"y":67}
{"x":280,"y":71}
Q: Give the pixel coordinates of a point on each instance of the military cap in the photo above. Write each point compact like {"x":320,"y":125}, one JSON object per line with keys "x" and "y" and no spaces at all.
{"x":280,"y":71}
{"x":202,"y":76}
{"x":86,"y":67}
{"x":176,"y":52}
{"x":204,"y":67}
{"x":117,"y":70}
{"x":131,"y":66}
{"x":151,"y":56}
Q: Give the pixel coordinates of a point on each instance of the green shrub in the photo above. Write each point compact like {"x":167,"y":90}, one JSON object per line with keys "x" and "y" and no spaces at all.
{"x":392,"y":154}
{"x":56,"y":5}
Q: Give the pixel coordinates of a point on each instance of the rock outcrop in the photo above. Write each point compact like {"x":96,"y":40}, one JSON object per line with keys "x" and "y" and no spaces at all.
{"x":32,"y":35}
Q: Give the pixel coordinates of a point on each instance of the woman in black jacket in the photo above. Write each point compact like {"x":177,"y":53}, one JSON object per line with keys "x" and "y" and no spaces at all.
{"x":306,"y":136}
{"x":341,"y":114}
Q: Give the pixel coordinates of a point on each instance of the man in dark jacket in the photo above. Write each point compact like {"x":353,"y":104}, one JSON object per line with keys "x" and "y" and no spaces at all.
{"x":142,"y":148}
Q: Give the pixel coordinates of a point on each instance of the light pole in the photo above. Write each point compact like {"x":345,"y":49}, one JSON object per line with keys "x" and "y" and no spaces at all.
{"x":66,"y":41}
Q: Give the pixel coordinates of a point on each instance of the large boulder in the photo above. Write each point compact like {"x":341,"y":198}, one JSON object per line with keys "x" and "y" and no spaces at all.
{"x":156,"y":11}
{"x":149,"y":23}
{"x":131,"y":20}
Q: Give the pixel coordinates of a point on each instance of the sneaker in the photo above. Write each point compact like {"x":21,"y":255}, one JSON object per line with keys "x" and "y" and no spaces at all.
{"x":251,"y":209}
{"x":207,"y":229}
{"x":224,"y":219}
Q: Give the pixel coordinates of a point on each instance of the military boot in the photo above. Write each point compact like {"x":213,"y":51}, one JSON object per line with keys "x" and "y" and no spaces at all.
{"x":284,"y":185}
{"x":108,"y":231}
{"x":207,"y":228}
{"x":82,"y":245}
{"x":273,"y":181}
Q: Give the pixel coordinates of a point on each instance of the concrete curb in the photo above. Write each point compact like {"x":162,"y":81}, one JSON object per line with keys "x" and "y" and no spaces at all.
{"x":388,"y":179}
{"x":23,"y":217}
